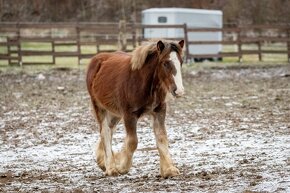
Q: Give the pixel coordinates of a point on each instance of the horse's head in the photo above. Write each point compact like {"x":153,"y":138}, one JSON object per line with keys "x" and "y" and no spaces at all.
{"x":170,"y":62}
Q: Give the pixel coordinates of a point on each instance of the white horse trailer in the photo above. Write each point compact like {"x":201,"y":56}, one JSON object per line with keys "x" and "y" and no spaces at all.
{"x":193,"y":18}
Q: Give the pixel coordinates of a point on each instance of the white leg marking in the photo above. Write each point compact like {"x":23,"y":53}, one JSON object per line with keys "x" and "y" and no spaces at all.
{"x":106,"y":135}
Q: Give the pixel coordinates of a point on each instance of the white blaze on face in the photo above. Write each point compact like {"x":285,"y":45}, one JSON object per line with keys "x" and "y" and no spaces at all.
{"x":177,"y":78}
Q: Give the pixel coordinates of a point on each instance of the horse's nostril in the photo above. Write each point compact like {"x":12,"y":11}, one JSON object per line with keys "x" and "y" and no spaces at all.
{"x":179,"y":92}
{"x":174,"y":91}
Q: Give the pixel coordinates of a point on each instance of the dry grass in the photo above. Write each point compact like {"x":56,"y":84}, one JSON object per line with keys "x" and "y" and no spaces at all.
{"x":73,"y":62}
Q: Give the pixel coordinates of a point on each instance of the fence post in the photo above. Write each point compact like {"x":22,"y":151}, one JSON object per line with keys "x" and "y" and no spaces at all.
{"x":122,"y":40}
{"x":52,"y":46}
{"x":78,"y":43}
{"x":134,"y":40}
{"x":259,"y":49}
{"x":8,"y":50}
{"x":53,"y":50}
{"x":186,"y":42}
{"x":97,"y":44}
{"x":142,"y":35}
{"x":239,"y":44}
{"x":19,"y":44}
{"x":288,"y":42}
{"x":259,"y":45}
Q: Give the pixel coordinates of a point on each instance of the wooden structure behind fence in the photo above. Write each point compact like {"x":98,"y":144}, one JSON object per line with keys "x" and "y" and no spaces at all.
{"x":110,"y":37}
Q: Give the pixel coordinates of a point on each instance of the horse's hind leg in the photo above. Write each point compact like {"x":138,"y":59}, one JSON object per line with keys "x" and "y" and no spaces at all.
{"x":100,"y":151}
{"x":106,"y":137}
{"x":124,"y":157}
{"x":104,"y":154}
{"x":167,"y":168}
{"x":100,"y":155}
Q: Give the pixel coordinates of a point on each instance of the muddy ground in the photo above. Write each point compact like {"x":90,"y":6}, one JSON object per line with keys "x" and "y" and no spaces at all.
{"x":230,"y":133}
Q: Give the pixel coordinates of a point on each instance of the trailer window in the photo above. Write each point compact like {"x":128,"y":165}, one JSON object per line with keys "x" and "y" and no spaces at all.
{"x":162,"y":19}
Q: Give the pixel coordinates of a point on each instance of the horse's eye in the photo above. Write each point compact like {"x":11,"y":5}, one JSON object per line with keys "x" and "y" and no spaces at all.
{"x":167,"y":65}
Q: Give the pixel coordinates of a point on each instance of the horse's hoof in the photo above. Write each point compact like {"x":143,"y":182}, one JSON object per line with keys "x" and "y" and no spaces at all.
{"x":170,"y":172}
{"x":112,"y":172}
{"x":101,"y":165}
{"x":123,"y":165}
{"x":123,"y":170}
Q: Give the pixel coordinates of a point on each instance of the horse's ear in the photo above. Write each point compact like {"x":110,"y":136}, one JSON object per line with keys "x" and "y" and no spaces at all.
{"x":160,"y":46}
{"x":181,"y":43}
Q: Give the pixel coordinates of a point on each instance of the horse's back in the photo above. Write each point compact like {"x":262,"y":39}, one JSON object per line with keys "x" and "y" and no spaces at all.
{"x":93,"y":68}
{"x":112,"y":61}
{"x":106,"y":72}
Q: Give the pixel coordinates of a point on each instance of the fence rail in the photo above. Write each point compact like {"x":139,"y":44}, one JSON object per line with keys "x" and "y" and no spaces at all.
{"x":20,"y":40}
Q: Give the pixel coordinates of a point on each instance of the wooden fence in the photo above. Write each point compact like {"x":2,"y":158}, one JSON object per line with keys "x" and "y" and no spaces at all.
{"x":14,"y":37}
{"x":248,"y":35}
{"x":20,"y":40}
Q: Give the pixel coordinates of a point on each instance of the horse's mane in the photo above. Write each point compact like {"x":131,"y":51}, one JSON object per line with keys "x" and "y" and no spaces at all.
{"x":141,"y":53}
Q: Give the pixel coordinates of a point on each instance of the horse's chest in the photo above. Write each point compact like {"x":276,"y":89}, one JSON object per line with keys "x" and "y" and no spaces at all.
{"x":148,"y":107}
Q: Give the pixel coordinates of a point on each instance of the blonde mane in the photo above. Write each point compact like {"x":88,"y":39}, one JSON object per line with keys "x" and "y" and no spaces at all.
{"x":140,"y":54}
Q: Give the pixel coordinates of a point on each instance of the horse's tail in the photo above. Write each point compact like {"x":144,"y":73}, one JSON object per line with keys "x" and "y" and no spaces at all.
{"x":92,"y":70}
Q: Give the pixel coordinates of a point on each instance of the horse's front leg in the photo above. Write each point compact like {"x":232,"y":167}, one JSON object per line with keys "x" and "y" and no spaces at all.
{"x":167,"y":167}
{"x":124,"y":157}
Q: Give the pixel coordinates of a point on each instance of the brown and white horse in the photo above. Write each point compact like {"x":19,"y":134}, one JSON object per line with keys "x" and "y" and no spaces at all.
{"x":127,"y":86}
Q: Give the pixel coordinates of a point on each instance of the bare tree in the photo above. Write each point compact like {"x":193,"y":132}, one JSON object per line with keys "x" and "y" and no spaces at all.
{"x":243,"y":11}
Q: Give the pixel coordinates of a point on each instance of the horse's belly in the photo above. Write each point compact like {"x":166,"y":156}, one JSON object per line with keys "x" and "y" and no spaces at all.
{"x":105,"y":96}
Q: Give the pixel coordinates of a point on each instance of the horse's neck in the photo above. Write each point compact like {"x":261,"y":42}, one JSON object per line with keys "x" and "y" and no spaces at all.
{"x":147,"y":86}
{"x":158,"y":92}
{"x":156,"y":88}
{"x":148,"y":76}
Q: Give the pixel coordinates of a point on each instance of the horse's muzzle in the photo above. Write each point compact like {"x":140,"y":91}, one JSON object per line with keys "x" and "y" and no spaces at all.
{"x":178,"y":93}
